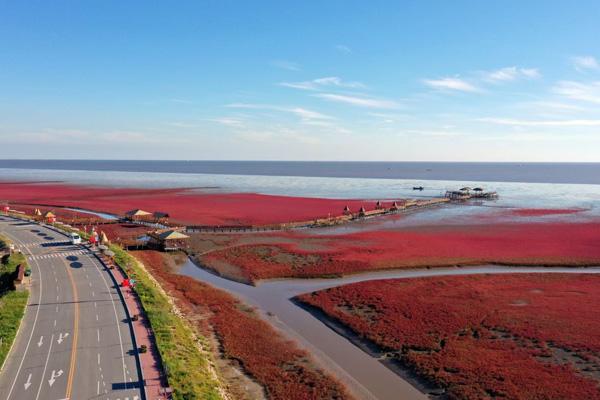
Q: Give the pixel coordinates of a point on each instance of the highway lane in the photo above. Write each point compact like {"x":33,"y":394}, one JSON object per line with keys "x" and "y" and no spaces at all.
{"x":75,"y":340}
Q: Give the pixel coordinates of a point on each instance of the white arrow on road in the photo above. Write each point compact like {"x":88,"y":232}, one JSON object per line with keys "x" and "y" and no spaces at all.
{"x":61,"y":337}
{"x":28,"y":383}
{"x":54,"y":376}
{"x":41,"y":342}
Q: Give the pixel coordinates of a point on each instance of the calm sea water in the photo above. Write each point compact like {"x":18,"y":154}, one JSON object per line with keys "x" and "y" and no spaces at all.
{"x":586,"y":173}
{"x":529,"y":184}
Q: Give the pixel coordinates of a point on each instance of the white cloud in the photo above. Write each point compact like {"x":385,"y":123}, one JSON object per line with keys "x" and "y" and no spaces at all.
{"x":582,"y":63}
{"x":358,"y":101}
{"x":307,"y":117}
{"x":532,"y":73}
{"x":56,"y":136}
{"x":256,"y":136}
{"x":510,"y":74}
{"x":343,"y":49}
{"x":388,"y":118}
{"x":451,"y":84}
{"x":589,"y":92}
{"x":542,"y":137}
{"x":128,"y":137}
{"x":304,"y":114}
{"x":519,"y":122}
{"x":281,"y":134}
{"x":307,"y":114}
{"x":330,"y":81}
{"x":50,"y":136}
{"x":554,"y":106}
{"x":288,"y":65}
{"x":178,"y":124}
{"x":228,"y":121}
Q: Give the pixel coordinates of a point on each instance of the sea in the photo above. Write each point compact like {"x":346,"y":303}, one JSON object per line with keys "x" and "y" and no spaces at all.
{"x":547,"y":185}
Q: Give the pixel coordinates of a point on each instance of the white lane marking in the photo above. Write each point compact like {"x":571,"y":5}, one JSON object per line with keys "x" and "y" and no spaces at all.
{"x":55,"y":323}
{"x":41,"y":341}
{"x":96,"y":317}
{"x":95,"y":305}
{"x":93,"y":294}
{"x":54,"y":376}
{"x":45,"y":367}
{"x":56,"y":297}
{"x":98,"y":358}
{"x":37,"y":311}
{"x":28,"y":383}
{"x":61,"y":337}
{"x":98,"y":389}
{"x":115,"y":312}
{"x":98,"y":332}
{"x":57,"y":308}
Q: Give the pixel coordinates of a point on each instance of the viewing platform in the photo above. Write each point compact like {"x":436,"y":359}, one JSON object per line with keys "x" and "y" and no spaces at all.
{"x":467,"y":193}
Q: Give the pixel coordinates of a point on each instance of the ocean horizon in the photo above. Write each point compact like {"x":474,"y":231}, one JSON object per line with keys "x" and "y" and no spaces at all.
{"x":523,"y":172}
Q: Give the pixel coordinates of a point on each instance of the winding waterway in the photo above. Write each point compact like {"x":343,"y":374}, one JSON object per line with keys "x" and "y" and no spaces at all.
{"x":366,"y":376}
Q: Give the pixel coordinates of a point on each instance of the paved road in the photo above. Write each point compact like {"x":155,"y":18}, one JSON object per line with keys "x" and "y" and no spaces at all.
{"x":75,"y":341}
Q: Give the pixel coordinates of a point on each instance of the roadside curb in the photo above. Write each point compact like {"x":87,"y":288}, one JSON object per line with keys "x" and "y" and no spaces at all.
{"x":129,"y":322}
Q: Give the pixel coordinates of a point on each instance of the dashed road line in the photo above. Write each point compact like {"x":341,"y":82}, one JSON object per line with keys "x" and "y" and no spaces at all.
{"x":62,"y":254}
{"x":45,"y":367}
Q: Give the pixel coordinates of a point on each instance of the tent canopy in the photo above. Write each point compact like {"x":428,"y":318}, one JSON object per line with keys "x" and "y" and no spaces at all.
{"x":137,"y":213}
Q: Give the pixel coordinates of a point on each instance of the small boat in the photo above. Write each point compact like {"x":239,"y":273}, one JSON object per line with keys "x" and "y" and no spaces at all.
{"x":418,"y":188}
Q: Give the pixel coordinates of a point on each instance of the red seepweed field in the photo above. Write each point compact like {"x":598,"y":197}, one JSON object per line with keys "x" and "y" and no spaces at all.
{"x":535,"y":243}
{"x":285,"y":371}
{"x":518,"y":336}
{"x":185,"y":206}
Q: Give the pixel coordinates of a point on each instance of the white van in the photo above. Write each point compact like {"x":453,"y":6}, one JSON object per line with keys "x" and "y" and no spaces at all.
{"x":75,"y":238}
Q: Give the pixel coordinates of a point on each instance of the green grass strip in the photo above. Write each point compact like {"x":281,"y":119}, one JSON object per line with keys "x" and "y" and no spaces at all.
{"x":188,"y":368}
{"x":12,"y":302}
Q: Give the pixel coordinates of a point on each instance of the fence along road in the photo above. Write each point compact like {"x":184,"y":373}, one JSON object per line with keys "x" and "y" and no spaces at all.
{"x":75,"y":341}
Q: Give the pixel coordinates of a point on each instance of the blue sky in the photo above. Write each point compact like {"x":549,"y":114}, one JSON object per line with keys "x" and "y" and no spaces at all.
{"x":314,"y":80}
